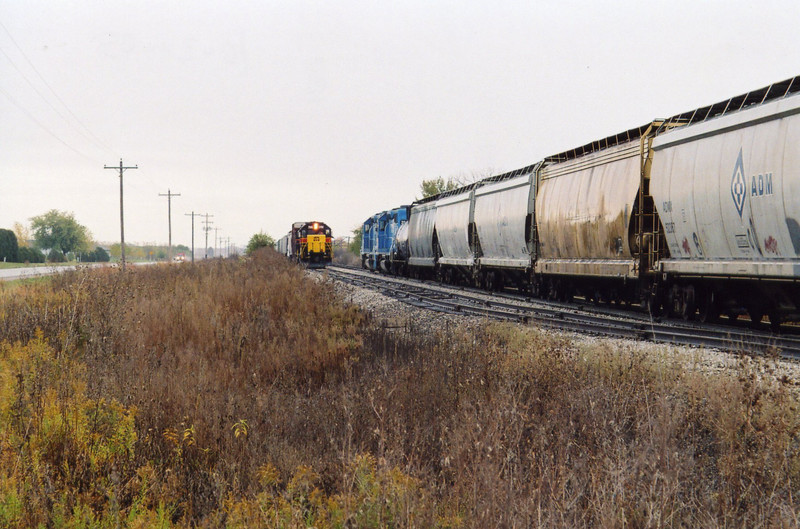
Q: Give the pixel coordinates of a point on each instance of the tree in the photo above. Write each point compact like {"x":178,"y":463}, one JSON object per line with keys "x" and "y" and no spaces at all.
{"x":355,"y":244}
{"x":23,"y":234}
{"x":259,"y":240}
{"x":438,"y":185}
{"x":9,"y":249}
{"x":57,"y":230}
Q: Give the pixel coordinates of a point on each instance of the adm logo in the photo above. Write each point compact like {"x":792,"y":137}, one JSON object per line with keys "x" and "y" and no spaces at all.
{"x":760,"y":185}
{"x":738,"y":185}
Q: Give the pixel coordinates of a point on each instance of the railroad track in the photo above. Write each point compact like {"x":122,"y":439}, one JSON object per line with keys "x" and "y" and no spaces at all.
{"x":576,"y":317}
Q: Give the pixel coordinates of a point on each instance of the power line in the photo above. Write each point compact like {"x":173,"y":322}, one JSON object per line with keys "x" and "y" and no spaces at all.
{"x":94,"y":139}
{"x":44,"y":128}
{"x":41,"y":95}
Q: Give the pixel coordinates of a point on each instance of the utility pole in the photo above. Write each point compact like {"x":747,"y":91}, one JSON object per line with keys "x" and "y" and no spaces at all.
{"x":216,"y":242}
{"x":193,"y":215}
{"x":207,"y":229}
{"x":121,"y":214}
{"x":169,"y":196}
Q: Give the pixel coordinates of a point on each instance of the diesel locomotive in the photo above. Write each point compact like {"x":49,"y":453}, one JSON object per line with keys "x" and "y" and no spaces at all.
{"x":697,"y":215}
{"x":309,"y":243}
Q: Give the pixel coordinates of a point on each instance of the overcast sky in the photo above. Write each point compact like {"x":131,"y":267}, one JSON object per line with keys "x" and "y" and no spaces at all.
{"x":267,"y":112}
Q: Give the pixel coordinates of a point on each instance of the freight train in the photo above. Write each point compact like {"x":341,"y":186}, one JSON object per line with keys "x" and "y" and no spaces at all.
{"x":309,"y":243}
{"x":697,"y":215}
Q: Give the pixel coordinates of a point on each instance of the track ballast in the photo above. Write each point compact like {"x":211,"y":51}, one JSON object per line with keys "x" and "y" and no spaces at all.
{"x":576,"y":317}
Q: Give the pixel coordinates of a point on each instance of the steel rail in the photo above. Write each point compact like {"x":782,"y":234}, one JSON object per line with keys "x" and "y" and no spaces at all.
{"x":582,"y":318}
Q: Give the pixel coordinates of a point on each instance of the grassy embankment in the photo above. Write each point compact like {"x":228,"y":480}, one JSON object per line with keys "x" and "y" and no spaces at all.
{"x":241,"y":394}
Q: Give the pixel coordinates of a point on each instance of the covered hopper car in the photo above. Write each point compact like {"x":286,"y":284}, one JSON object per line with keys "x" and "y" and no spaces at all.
{"x":697,"y":215}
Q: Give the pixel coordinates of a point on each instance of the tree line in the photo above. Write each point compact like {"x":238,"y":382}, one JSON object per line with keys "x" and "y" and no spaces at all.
{"x":54,"y":237}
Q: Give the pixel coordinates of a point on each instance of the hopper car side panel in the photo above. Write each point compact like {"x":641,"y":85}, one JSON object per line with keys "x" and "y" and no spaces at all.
{"x":728,"y":191}
{"x":584,"y":211}
{"x":422,"y":246}
{"x":453,"y":217}
{"x":502,"y":211}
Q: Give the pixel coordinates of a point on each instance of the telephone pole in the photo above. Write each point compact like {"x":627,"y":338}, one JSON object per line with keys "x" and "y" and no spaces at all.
{"x":169,"y":196}
{"x":207,"y":229}
{"x":216,"y":242}
{"x":121,"y":214}
{"x":193,"y":215}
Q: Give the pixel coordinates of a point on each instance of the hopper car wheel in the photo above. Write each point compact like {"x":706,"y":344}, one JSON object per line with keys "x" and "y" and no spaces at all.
{"x":774,"y":322}
{"x":569,"y":294}
{"x":689,"y":303}
{"x":709,"y":309}
{"x":674,"y":301}
{"x":489,"y":281}
{"x":535,"y":288}
{"x":654,"y":304}
{"x":682,"y":302}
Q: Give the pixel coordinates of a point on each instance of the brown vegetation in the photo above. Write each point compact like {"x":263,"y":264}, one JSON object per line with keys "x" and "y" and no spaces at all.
{"x":240,"y":393}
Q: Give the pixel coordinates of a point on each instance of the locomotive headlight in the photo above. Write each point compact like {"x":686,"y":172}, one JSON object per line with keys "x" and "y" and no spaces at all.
{"x":316,"y":226}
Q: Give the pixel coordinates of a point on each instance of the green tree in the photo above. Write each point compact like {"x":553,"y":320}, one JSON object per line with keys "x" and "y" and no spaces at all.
{"x":438,"y":185}
{"x":259,"y":240}
{"x":9,"y":249}
{"x":58,"y":230}
{"x":355,"y":244}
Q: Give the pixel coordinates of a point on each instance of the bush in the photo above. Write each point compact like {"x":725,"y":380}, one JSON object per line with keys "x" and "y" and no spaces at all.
{"x":9,"y":248}
{"x":259,"y":240}
{"x":98,"y":255}
{"x":101,"y":256}
{"x":56,"y":256}
{"x":28,"y":254}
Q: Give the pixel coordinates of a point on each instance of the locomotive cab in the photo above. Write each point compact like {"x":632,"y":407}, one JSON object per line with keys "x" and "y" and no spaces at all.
{"x":314,"y":243}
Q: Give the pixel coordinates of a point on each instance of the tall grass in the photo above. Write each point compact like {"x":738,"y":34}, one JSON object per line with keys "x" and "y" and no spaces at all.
{"x":243,"y":394}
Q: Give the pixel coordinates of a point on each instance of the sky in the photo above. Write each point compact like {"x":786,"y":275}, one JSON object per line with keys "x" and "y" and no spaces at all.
{"x":263,"y":113}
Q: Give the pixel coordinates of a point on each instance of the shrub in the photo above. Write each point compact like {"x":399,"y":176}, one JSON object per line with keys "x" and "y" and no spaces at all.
{"x":28,"y":254}
{"x":56,"y":256}
{"x":9,"y":249}
{"x":259,"y":240}
{"x":98,"y":255}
